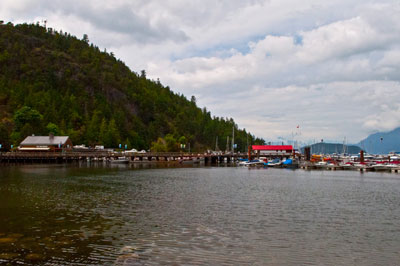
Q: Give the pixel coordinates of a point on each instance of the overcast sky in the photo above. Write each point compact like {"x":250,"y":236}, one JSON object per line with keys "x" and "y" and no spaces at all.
{"x":330,"y":67}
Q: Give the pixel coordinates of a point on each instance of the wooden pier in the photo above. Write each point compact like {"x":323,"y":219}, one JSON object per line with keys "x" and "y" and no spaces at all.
{"x":69,"y":156}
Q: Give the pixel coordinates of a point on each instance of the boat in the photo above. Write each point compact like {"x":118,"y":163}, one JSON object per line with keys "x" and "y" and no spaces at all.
{"x":119,"y":160}
{"x":384,"y":166}
{"x":346,"y":166}
{"x":364,"y":167}
{"x":290,"y":163}
{"x":391,"y":166}
{"x":254,"y":162}
{"x":274,"y":163}
{"x":321,"y":165}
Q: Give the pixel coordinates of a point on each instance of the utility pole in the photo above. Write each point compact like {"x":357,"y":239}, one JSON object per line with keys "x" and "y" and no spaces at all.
{"x":227,"y":144}
{"x":216,"y":144}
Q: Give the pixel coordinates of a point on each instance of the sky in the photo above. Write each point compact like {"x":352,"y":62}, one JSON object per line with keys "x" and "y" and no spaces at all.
{"x":284,"y":70}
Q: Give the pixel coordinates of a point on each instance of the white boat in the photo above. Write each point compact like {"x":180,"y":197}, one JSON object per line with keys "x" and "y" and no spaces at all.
{"x":379,"y":167}
{"x":392,"y":166}
{"x":251,"y":163}
{"x":346,"y":166}
{"x":274,"y":163}
{"x":120,"y":160}
{"x":321,"y":165}
{"x":383,"y":167}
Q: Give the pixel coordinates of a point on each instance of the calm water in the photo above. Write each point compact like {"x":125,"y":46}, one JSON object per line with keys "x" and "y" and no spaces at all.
{"x":58,"y":214}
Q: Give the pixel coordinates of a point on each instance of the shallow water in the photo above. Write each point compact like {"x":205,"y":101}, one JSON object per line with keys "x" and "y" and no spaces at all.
{"x":96,"y":215}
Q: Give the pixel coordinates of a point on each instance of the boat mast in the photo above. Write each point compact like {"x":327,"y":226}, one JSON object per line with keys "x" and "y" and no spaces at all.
{"x":233,"y":138}
{"x":344,"y":146}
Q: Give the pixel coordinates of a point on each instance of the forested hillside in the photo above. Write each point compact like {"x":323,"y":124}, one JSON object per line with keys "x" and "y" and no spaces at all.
{"x":53,"y":82}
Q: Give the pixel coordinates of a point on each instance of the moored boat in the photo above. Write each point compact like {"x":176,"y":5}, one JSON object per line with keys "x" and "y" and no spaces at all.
{"x":119,"y":160}
{"x":254,"y":162}
{"x":274,"y":163}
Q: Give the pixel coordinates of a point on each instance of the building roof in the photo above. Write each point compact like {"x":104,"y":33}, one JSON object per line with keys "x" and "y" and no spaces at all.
{"x":272,"y":147}
{"x":44,"y":140}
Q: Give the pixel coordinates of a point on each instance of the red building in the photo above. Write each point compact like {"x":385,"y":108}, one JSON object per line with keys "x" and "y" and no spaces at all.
{"x":273,"y":150}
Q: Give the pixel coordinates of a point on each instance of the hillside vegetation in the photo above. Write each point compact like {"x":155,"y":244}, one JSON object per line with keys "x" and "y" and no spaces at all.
{"x":53,"y":82}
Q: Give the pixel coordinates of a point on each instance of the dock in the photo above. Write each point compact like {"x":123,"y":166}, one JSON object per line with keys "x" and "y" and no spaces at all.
{"x":70,"y":156}
{"x":361,"y":168}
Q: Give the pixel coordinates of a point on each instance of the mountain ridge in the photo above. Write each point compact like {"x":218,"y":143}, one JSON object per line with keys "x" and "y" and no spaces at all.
{"x":331,"y":148}
{"x":382,"y":142}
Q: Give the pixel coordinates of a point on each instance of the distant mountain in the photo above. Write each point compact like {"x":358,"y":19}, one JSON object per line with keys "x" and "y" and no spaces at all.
{"x":382,"y":142}
{"x":330,"y":148}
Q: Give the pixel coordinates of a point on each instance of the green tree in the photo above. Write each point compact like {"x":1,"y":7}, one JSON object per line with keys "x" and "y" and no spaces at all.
{"x":103,"y":131}
{"x":182,"y":140}
{"x":159,"y":145}
{"x":171,"y":143}
{"x":27,"y":115}
{"x":85,"y":38}
{"x":112,"y":137}
{"x":52,"y":128}
{"x":92,"y":133}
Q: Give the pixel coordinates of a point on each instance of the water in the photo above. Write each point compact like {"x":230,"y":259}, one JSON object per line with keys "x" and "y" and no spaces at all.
{"x":79,"y":215}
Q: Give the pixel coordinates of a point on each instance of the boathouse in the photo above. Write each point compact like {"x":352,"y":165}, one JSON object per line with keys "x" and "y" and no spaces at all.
{"x":273,"y":150}
{"x":45,"y":143}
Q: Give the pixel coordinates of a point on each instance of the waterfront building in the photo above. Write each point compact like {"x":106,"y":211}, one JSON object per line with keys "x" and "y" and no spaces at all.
{"x":45,"y":143}
{"x":273,"y":150}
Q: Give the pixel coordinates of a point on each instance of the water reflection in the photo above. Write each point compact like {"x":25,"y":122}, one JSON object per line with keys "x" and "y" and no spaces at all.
{"x":95,"y":214}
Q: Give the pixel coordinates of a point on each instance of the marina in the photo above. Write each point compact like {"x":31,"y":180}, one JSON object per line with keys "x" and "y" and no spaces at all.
{"x":388,"y":163}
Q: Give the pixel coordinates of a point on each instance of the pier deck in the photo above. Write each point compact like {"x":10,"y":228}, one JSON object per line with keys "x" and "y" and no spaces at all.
{"x":68,"y":156}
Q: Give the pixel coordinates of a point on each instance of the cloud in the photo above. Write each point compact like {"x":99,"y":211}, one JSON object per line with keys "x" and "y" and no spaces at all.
{"x":120,"y":17}
{"x":332,"y":67}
